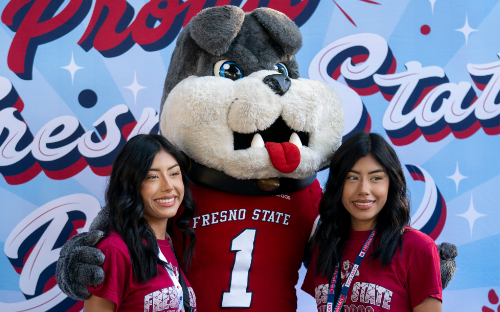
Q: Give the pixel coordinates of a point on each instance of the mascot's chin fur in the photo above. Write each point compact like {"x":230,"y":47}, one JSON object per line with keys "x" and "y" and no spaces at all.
{"x":234,"y":103}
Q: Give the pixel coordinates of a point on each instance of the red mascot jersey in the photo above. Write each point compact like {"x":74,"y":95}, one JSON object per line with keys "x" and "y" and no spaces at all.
{"x":249,"y":248}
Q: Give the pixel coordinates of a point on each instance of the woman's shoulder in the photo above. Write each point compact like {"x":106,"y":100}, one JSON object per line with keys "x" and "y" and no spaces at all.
{"x":415,"y":240}
{"x":113,"y":242}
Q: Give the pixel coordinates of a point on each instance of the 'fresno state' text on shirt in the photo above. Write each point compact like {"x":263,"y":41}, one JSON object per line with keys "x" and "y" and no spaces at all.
{"x":240,"y":214}
{"x":368,"y":294}
{"x":165,"y":299}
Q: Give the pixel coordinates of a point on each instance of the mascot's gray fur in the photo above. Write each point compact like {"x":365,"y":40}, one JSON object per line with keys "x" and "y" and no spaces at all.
{"x":201,"y":111}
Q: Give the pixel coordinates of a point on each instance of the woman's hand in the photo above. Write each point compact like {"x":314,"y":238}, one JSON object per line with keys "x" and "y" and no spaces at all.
{"x":98,"y":304}
{"x":430,"y":304}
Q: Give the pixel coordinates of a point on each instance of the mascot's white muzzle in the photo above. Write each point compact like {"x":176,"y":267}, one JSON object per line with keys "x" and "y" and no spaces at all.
{"x":258,"y":127}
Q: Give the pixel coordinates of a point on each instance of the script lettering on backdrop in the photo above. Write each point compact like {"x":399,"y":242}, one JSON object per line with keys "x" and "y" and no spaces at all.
{"x":62,"y":148}
{"x":112,"y":29}
{"x":33,"y":249}
{"x":422,"y":101}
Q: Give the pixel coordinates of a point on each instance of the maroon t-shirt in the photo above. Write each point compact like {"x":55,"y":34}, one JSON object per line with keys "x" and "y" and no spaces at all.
{"x":412,"y":276}
{"x":120,"y":286}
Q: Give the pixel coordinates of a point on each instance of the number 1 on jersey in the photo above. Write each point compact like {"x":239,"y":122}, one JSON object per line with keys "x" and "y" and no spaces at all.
{"x":238,"y":295}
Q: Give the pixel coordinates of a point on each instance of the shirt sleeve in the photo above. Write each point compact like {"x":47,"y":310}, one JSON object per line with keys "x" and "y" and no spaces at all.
{"x":424,"y":276}
{"x":116,"y":268}
{"x":316,"y":194}
{"x":308,"y":284}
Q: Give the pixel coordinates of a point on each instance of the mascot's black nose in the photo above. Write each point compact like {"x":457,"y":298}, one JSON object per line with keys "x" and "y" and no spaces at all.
{"x":279,"y":83}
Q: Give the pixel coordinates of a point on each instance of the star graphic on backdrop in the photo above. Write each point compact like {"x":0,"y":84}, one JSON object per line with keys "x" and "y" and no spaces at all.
{"x":471,"y":215}
{"x":432,"y":5}
{"x":72,"y":67}
{"x":466,"y":30}
{"x":135,"y":87}
{"x":457,"y":177}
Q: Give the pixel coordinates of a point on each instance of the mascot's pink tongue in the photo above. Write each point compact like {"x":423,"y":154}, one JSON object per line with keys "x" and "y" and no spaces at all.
{"x":285,"y":156}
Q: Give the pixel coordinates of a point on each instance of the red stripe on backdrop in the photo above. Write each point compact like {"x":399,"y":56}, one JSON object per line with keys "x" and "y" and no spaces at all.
{"x":408,"y":139}
{"x":394,"y":64}
{"x":467,"y":132}
{"x":102,"y":171}
{"x":50,"y":284}
{"x":69,"y":172}
{"x":77,"y":224}
{"x":366,"y":91}
{"x":19,"y":105}
{"x":492,"y":131}
{"x":442,"y":220}
{"x":128,"y":128}
{"x":25,"y":176}
{"x":422,"y":95}
{"x":359,"y":58}
{"x":417,"y":176}
{"x":436,"y":137}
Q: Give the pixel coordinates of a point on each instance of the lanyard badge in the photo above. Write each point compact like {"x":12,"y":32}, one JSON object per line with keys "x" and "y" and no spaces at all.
{"x":170,"y":270}
{"x":350,"y":277}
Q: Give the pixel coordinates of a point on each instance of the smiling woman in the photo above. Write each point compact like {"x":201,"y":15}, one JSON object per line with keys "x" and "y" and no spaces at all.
{"x":147,"y":185}
{"x":365,"y":212}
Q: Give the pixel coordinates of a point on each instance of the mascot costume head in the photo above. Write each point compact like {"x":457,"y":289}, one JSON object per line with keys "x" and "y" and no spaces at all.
{"x":233,"y":102}
{"x":256,"y":134}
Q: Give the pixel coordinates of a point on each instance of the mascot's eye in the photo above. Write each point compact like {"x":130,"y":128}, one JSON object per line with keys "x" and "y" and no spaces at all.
{"x":228,"y":69}
{"x":281,"y":68}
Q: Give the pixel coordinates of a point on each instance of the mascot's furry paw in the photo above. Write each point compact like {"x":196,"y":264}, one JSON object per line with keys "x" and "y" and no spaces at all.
{"x":447,"y":254}
{"x":78,"y":265}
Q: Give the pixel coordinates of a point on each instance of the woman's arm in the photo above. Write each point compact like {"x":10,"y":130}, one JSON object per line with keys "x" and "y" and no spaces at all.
{"x":430,"y":304}
{"x":98,"y":304}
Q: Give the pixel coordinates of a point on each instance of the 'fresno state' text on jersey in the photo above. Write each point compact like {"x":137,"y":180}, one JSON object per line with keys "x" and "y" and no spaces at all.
{"x":249,"y":248}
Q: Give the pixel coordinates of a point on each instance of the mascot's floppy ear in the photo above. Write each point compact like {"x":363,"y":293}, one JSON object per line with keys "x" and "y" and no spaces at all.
{"x":283,"y":30}
{"x":214,"y":29}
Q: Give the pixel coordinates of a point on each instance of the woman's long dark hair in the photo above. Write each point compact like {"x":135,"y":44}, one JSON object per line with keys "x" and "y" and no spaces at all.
{"x":333,"y":232}
{"x":123,"y":197}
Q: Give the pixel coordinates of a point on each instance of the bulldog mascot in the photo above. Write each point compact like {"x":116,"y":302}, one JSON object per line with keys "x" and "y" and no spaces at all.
{"x":256,"y":134}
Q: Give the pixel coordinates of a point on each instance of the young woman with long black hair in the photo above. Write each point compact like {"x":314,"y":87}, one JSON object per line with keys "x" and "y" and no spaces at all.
{"x":366,"y":257}
{"x":147,"y":185}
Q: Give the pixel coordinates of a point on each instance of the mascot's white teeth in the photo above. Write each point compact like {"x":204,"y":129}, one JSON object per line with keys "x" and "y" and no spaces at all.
{"x":257,"y":141}
{"x":294,"y":138}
